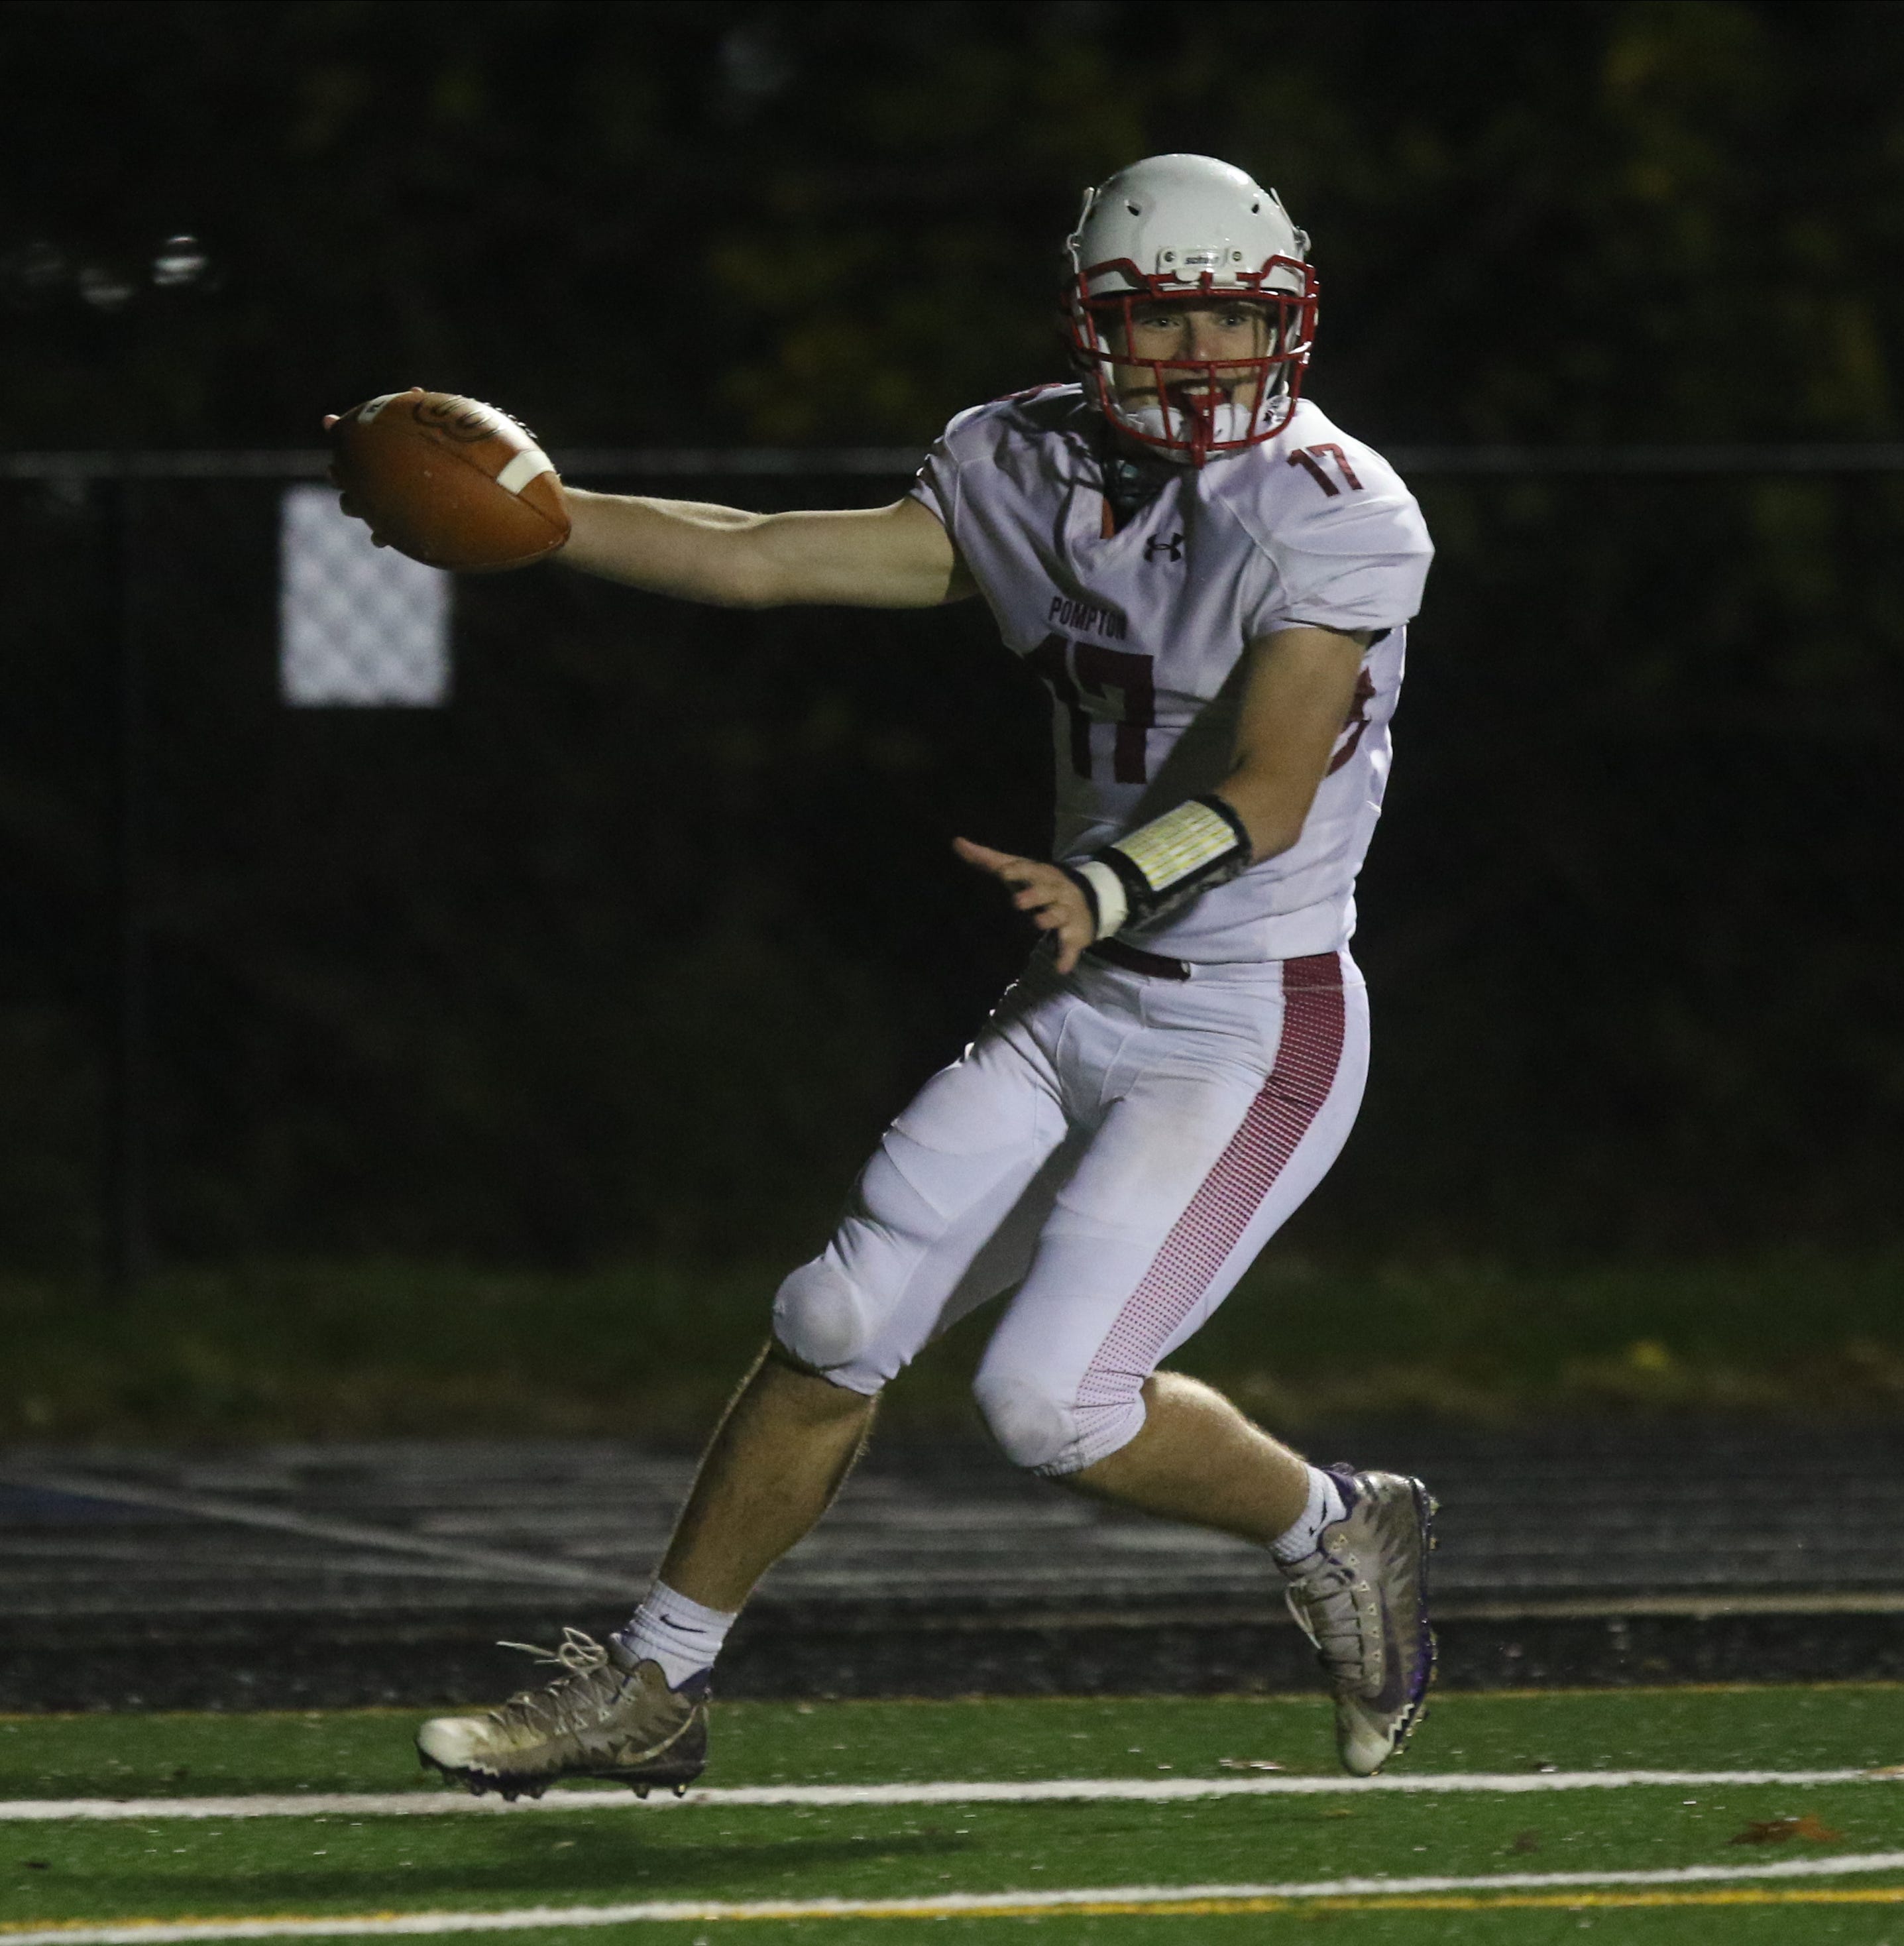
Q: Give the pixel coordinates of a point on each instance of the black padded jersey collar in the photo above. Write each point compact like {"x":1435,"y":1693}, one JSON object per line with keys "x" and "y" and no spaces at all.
{"x":1131,"y":483}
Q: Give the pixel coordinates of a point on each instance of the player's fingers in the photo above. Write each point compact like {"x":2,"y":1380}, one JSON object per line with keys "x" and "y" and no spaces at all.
{"x":356,"y":511}
{"x":984,"y":859}
{"x":1046,"y":889}
{"x":1075,"y":933}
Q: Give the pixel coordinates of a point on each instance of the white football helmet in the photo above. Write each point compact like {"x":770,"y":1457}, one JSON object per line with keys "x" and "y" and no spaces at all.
{"x":1188,"y":227}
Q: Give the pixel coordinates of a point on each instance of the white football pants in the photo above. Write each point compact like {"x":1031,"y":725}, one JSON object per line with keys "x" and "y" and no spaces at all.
{"x":1120,"y":1147}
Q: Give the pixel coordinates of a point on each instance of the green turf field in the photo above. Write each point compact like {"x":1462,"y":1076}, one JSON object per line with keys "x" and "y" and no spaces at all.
{"x":157,"y":1848}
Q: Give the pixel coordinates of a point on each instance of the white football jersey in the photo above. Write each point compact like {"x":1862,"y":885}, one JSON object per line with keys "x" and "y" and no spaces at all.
{"x":1139,"y":634}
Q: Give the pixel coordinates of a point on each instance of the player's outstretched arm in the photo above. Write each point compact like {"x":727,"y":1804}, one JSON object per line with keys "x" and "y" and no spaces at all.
{"x":896,"y":557}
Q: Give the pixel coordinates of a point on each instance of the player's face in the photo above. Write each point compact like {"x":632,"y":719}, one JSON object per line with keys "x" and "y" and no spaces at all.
{"x":1219,"y":335}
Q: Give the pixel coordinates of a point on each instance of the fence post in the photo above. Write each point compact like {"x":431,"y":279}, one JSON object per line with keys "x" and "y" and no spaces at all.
{"x":122,"y":1228}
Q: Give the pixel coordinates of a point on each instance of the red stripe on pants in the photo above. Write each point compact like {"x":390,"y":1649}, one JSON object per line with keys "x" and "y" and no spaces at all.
{"x":1227,"y":1199}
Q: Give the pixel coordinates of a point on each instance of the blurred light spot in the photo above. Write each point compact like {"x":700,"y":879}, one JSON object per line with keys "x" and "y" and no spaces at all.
{"x":181,"y":260}
{"x":103,"y":289}
{"x":34,"y":273}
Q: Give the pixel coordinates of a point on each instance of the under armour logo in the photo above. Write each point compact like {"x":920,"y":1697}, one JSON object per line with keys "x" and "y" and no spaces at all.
{"x":1158,"y":544}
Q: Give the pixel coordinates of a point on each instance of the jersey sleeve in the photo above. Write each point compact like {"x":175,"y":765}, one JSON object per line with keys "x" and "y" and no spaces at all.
{"x":1356,"y":557}
{"x":936,"y":487}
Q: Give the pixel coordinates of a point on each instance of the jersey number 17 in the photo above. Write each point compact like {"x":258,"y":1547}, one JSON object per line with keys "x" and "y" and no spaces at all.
{"x":1084,"y":677}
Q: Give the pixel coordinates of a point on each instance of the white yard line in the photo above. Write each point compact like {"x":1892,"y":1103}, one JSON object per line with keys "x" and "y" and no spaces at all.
{"x":847,"y":1796}
{"x":1155,"y":1899}
{"x":1699,"y":1606}
{"x":315,"y":1527}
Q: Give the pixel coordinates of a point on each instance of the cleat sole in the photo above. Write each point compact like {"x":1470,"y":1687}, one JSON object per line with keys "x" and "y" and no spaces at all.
{"x":1426,"y":1507}
{"x":480,"y":1783}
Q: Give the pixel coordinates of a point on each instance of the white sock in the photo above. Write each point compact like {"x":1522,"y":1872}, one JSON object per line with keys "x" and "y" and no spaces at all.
{"x":1326,"y":1506}
{"x":684,"y":1637}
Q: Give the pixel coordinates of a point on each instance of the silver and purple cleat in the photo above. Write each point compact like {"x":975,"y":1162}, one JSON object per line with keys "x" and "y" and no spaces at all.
{"x":1362,"y":1599}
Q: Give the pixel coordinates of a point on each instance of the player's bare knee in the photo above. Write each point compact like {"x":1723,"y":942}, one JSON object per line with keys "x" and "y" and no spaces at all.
{"x":821,"y":1318}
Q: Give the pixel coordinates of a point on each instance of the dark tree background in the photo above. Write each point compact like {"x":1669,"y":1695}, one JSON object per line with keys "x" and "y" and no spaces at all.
{"x":704,"y":222}
{"x":632,"y":947}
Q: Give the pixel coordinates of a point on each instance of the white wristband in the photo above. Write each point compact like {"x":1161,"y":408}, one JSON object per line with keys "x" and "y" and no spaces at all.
{"x":1114,"y":903}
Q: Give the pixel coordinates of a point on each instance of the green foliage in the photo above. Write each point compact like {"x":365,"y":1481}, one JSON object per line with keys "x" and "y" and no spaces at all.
{"x":1799,"y":1335}
{"x":648,"y":1351}
{"x":264,"y":1352}
{"x":1599,"y":220}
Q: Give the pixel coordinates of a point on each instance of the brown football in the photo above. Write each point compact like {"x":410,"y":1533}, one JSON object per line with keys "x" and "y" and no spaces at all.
{"x":449,"y":481}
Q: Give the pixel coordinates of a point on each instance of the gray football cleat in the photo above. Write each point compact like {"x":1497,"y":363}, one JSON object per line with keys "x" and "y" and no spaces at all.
{"x":1362,"y":1599}
{"x":606,"y":1715}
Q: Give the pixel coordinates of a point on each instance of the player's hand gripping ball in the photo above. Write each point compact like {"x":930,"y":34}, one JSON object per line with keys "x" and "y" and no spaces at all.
{"x":449,"y":481}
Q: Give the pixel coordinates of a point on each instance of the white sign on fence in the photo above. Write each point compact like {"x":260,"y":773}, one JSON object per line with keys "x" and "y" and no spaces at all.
{"x":358,"y":625}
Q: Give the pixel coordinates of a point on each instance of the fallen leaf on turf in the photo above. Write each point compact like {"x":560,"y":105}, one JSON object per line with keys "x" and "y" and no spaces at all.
{"x":1248,"y":1763}
{"x":1525,"y":1841}
{"x":1781,"y":1830}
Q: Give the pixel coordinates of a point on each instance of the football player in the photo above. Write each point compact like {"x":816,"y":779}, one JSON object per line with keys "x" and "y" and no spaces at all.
{"x":1215,"y":582}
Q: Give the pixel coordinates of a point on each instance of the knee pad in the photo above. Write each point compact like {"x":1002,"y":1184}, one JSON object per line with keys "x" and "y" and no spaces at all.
{"x":821,"y":1316}
{"x":1034,"y":1429}
{"x":1047,"y":1434}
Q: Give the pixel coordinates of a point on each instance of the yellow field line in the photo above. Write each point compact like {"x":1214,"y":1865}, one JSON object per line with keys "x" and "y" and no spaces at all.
{"x":1424,"y":1902}
{"x":314,"y":1926}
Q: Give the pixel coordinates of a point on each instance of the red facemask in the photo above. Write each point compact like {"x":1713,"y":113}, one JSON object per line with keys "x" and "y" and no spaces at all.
{"x":1201,"y":407}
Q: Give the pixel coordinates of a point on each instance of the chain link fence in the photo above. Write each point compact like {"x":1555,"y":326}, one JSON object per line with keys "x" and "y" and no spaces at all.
{"x":532,"y":920}
{"x":358,"y":626}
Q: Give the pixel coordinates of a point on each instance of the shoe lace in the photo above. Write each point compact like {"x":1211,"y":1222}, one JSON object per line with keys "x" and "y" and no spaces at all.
{"x":576,"y":1654}
{"x":575,"y":1697}
{"x":1324,"y":1603}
